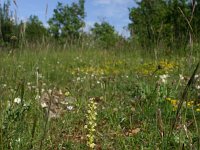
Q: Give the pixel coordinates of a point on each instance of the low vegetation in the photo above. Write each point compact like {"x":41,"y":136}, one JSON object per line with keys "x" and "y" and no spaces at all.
{"x":62,"y":99}
{"x":63,"y":88}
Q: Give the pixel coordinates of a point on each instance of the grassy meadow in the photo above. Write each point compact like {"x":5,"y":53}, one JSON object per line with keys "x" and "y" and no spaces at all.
{"x":98,"y":99}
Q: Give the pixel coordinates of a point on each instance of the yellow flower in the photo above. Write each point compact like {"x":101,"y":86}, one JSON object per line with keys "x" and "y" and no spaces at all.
{"x":198,"y":109}
{"x":189,"y":104}
{"x":173,"y":102}
{"x":91,"y":122}
{"x":168,"y":99}
{"x":175,"y":108}
{"x":92,"y":145}
{"x":67,"y":93}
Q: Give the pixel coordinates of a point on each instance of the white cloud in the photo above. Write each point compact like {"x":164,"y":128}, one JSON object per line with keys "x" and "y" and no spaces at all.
{"x":115,"y":9}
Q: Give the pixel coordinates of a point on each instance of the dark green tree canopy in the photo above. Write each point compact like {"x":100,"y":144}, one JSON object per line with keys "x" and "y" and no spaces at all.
{"x":160,"y":21}
{"x":8,"y":27}
{"x":35,"y":29}
{"x":105,"y":34}
{"x":67,"y":21}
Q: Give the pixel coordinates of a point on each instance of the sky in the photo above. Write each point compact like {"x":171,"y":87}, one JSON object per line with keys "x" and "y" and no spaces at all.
{"x":114,"y":11}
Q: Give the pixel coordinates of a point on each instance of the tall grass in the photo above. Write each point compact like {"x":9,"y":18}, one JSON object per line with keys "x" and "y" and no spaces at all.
{"x":133,"y":112}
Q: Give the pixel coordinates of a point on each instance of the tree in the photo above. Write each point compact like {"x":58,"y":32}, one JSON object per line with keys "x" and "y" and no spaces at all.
{"x":67,"y":21}
{"x":196,"y":17}
{"x":104,"y":34}
{"x":34,"y":29}
{"x":7,"y":24}
{"x":156,"y":22}
{"x":178,"y":12}
{"x":147,"y":22}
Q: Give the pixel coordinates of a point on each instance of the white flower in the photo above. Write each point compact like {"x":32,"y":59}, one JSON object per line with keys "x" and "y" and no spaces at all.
{"x":44,"y":105}
{"x":18,"y":140}
{"x":17,"y":100}
{"x":198,"y":87}
{"x":196,"y":76}
{"x":181,"y":77}
{"x":164,"y":78}
{"x":37,"y":97}
{"x":42,"y":90}
{"x":67,"y":93}
{"x":70,"y":107}
{"x":40,"y":76}
{"x":49,"y":91}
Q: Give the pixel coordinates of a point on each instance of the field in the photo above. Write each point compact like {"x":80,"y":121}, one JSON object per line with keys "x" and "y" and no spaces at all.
{"x":98,"y":99}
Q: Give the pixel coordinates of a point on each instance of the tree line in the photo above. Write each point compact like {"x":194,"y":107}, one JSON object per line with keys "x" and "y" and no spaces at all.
{"x":169,"y":23}
{"x":154,"y":23}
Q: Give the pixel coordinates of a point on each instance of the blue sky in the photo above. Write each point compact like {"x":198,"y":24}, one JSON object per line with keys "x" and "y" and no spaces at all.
{"x":114,"y":11}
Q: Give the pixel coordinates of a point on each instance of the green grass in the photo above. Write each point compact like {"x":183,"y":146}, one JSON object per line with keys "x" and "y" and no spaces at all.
{"x":127,"y":100}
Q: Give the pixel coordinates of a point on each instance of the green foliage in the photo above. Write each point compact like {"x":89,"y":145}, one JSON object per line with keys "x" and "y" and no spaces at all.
{"x":8,"y":27}
{"x":67,"y":21}
{"x":34,"y":29}
{"x":146,"y":21}
{"x":196,"y":18}
{"x":104,"y":33}
{"x":156,"y":22}
{"x":127,"y":102}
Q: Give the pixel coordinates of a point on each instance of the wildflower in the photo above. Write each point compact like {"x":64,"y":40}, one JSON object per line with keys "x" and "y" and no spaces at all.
{"x":164,"y":78}
{"x":37,"y":97}
{"x":40,"y":76}
{"x":42,"y":90}
{"x":44,"y":105}
{"x":49,"y":91}
{"x":168,"y":98}
{"x":175,"y":108}
{"x":67,"y":93}
{"x":17,"y":100}
{"x":70,"y":108}
{"x":173,"y":102}
{"x":92,"y":145}
{"x":196,"y":76}
{"x":91,"y":123}
{"x":115,"y":109}
{"x":181,"y":77}
{"x":198,"y":109}
{"x":190,"y":103}
{"x":198,"y":87}
{"x":13,"y":38}
{"x":18,"y":140}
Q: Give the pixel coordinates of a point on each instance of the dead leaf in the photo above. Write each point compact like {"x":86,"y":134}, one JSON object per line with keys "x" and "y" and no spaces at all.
{"x":132,"y":132}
